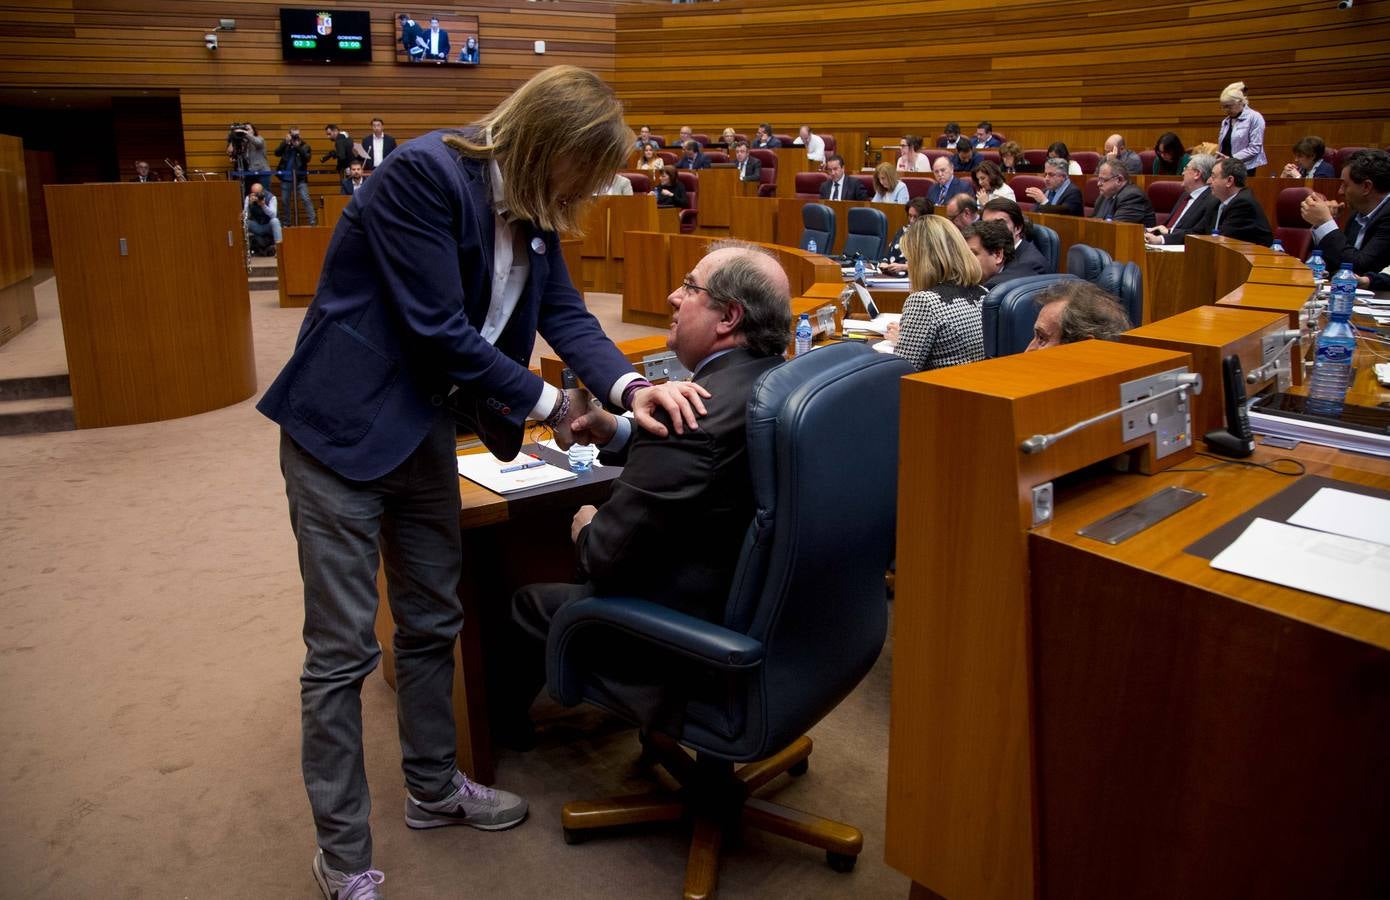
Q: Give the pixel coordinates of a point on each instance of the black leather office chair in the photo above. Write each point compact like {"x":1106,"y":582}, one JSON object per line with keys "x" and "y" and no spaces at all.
{"x":1125,"y":282}
{"x":1010,"y":311}
{"x":1085,"y":261}
{"x":818,"y":224}
{"x":805,"y":619}
{"x":1049,"y":244}
{"x":868,"y":233}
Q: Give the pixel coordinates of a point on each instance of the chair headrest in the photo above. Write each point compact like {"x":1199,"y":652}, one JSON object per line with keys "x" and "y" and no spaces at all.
{"x":867,"y":220}
{"x":818,"y":217}
{"x":1085,"y":261}
{"x":1010,"y":311}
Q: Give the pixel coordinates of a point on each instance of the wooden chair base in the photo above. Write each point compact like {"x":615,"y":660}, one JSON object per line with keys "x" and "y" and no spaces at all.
{"x":718,"y":799}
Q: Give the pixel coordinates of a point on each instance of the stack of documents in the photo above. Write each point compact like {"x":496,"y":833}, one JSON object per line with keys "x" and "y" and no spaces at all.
{"x":878,"y":325}
{"x":1336,"y":545}
{"x":507,"y":476}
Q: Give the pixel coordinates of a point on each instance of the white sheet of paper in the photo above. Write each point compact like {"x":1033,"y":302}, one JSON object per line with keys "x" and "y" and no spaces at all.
{"x":486,"y":469}
{"x":1168,"y":248}
{"x":1351,"y":515}
{"x":877,"y":326}
{"x":1339,"y":567}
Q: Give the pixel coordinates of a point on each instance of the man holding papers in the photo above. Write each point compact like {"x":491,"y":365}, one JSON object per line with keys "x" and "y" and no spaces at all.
{"x":673,"y":528}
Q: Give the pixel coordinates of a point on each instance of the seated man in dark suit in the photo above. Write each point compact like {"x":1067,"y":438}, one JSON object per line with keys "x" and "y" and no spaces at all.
{"x":1027,"y":257}
{"x":749,"y":167}
{"x":764,"y":140}
{"x":962,"y":210}
{"x":1365,"y":242}
{"x":947,"y":184}
{"x":143,"y":175}
{"x":1239,"y":215}
{"x":950,"y":137}
{"x":1121,"y":201}
{"x":839,"y":186}
{"x":966,"y":159}
{"x":694,"y":157}
{"x":1061,"y":197}
{"x":354,"y":179}
{"x":730,"y":323}
{"x":1076,"y":310}
{"x":993,"y":246}
{"x":1195,"y":211}
{"x":985,"y":138}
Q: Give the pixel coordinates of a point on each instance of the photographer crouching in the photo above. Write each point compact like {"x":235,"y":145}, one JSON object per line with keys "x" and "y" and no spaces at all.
{"x":246,"y":150}
{"x":260,"y":212}
{"x":293,"y":169}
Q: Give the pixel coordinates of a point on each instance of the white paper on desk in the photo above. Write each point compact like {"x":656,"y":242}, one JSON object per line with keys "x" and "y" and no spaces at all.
{"x":1168,"y":248}
{"x":486,"y":469}
{"x":887,"y":281}
{"x":1339,"y":567}
{"x":878,"y":325}
{"x":1351,"y":515}
{"x":883,"y":347}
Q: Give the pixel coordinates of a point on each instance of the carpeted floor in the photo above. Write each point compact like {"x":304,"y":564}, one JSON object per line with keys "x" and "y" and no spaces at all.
{"x":149,"y":656}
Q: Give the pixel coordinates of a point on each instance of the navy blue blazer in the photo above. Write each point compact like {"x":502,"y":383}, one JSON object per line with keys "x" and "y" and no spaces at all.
{"x":938,"y":195}
{"x":394,"y":324}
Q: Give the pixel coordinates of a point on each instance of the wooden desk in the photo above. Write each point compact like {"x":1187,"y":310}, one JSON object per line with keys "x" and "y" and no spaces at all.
{"x":299,"y":262}
{"x":717,"y":190}
{"x":508,"y":542}
{"x":790,"y":162}
{"x":333,"y":206}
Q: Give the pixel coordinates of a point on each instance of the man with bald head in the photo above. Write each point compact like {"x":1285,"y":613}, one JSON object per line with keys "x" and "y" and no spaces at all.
{"x":962,"y":210}
{"x":730,"y":323}
{"x":1116,"y":151}
{"x":947,"y":184}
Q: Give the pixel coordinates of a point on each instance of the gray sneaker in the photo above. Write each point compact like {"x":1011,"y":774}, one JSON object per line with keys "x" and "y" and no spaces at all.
{"x":342,"y":886}
{"x":470,"y":804}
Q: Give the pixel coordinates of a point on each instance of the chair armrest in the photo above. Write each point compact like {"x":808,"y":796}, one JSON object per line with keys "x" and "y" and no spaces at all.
{"x":704,"y":642}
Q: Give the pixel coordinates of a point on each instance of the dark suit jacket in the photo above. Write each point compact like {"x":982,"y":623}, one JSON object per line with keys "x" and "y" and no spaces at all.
{"x":1197,"y":220}
{"x":443,"y":44}
{"x":153,"y":176}
{"x":752,"y":168}
{"x":938,"y":195}
{"x":698,"y":161}
{"x":1030,"y":259}
{"x":388,"y":144}
{"x":771,"y":144}
{"x":696,"y":483}
{"x":1013,"y":269}
{"x":1339,"y":245}
{"x":969,"y":166}
{"x":346,"y":186}
{"x":406,"y":284}
{"x":341,"y":154}
{"x":678,"y":197}
{"x":1130,"y":205}
{"x":1244,"y":219}
{"x":851,"y":189}
{"x":1069,"y":203}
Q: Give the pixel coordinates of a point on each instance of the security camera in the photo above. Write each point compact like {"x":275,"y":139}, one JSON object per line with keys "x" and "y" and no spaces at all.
{"x":210,"y":41}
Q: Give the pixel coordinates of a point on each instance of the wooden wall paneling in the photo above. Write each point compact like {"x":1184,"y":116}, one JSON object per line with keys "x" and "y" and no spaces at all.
{"x":165,"y":330}
{"x":754,"y":219}
{"x":17,"y":307}
{"x":40,"y":168}
{"x":644,"y":296}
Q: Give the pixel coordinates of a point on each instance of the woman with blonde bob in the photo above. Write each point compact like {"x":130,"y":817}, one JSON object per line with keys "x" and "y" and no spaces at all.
{"x":1242,"y":133}
{"x":888,"y":188}
{"x":941,"y":324}
{"x":408,"y":338}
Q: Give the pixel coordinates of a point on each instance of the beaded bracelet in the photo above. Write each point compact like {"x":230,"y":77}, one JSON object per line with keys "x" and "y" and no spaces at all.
{"x":561,"y":410}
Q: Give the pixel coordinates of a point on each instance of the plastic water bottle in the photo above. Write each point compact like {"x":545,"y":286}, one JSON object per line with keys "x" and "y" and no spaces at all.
{"x":582,"y":457}
{"x":858,"y":268}
{"x":803,"y":334}
{"x":1277,"y":246}
{"x":1317,"y":266}
{"x":1327,"y":389}
{"x":811,"y":246}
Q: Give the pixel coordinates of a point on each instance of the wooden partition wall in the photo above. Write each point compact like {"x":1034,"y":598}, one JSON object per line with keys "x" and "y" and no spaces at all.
{"x":17,"y":309}
{"x":153,"y":296}
{"x":1074,"y":72}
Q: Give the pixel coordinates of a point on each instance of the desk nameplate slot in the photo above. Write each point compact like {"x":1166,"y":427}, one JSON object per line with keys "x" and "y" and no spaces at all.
{"x":1126,"y":523}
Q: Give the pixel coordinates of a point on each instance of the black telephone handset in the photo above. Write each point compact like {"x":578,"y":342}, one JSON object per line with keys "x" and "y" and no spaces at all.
{"x":1236,"y":439}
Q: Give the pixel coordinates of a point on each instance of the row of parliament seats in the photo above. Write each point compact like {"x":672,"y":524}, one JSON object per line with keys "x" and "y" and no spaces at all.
{"x":1010,"y":311}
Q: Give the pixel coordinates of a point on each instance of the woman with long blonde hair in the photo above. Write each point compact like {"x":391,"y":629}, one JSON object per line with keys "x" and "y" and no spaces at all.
{"x":941,"y":324}
{"x":888,"y":188}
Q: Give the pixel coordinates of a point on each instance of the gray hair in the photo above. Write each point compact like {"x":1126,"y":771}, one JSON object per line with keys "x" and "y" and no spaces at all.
{"x":767,"y":312}
{"x":1202,"y":162}
{"x":1058,"y":164}
{"x":1117,"y":169}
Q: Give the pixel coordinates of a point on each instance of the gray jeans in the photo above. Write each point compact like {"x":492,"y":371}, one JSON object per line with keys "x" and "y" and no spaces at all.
{"x":412,"y":515}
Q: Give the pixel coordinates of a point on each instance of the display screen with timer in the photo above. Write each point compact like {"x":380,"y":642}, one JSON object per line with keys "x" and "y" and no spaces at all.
{"x":326,"y":35}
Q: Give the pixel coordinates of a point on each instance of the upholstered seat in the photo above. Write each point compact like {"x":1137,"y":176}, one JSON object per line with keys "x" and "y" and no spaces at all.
{"x":867,"y":233}
{"x":1010,"y":311}
{"x":1125,"y":282}
{"x":818,"y":224}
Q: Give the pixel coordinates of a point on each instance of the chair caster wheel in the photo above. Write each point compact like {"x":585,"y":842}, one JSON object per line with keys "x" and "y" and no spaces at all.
{"x":574,"y":836}
{"x":840,"y":862}
{"x":800,"y":768}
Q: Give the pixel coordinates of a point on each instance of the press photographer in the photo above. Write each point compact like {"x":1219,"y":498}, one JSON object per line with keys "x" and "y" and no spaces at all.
{"x":292,"y":168}
{"x":246,"y":150}
{"x":260,"y":212}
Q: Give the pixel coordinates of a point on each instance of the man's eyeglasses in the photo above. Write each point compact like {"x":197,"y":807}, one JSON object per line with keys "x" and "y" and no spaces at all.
{"x":1106,"y":178}
{"x":691,"y":288}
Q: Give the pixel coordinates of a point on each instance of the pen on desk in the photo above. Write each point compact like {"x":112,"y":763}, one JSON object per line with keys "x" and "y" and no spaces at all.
{"x":530,"y":463}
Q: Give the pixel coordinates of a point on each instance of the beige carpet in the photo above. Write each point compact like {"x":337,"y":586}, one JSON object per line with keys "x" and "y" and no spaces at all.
{"x":149,"y":655}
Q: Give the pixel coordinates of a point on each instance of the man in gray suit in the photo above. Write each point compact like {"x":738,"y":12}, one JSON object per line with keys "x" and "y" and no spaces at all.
{"x":1121,"y":201}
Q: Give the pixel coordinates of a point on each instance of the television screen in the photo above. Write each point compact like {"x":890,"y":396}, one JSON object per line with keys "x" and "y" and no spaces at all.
{"x":445,"y":40}
{"x":326,"y":35}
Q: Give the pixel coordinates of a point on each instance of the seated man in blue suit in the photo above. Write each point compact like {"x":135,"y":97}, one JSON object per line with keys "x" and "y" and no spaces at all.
{"x":966,"y":159}
{"x":694,"y":157}
{"x":838,"y":185}
{"x":947,"y":184}
{"x":1060,"y":197}
{"x":730,"y":321}
{"x":407,"y":330}
{"x":985,"y":138}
